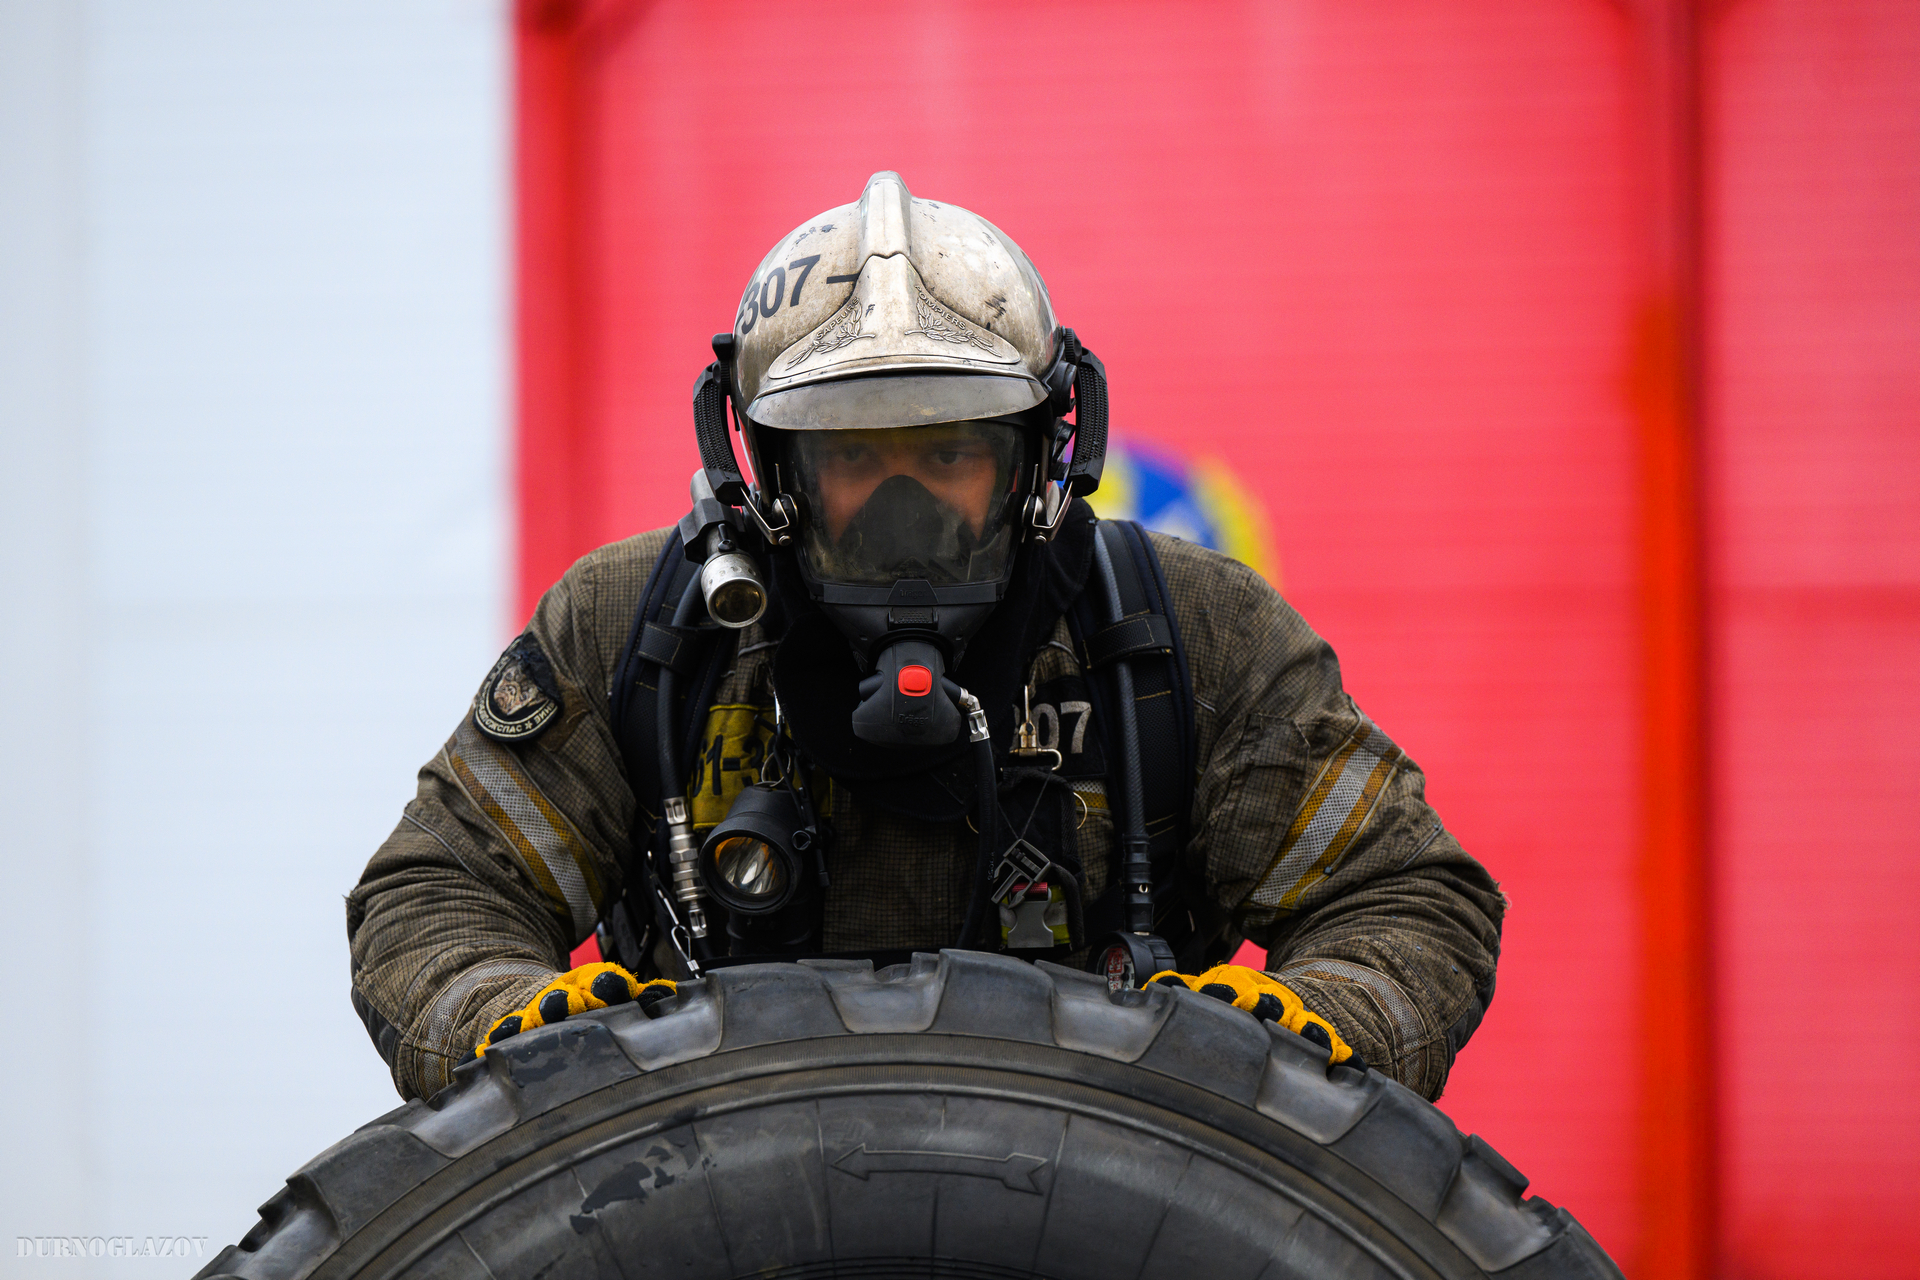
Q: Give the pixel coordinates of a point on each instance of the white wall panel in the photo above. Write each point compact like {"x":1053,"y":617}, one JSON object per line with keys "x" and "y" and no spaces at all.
{"x":44,"y":823}
{"x":264,"y":563}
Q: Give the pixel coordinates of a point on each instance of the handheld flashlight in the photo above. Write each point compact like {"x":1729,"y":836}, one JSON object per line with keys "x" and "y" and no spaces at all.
{"x":757,"y":860}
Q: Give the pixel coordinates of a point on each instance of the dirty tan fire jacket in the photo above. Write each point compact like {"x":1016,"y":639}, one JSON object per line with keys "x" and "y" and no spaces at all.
{"x":1309,"y":830}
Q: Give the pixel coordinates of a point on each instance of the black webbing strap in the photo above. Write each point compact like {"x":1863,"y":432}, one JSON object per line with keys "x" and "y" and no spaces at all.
{"x":652,"y":643}
{"x":676,"y":648}
{"x":710,"y":432}
{"x":1128,"y":638}
{"x":697,"y":661}
{"x":1147,"y":638}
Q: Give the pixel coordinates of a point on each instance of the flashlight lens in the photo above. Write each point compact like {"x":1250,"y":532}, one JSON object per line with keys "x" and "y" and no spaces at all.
{"x":750,"y":866}
{"x":734,"y":594}
{"x":737,"y":602}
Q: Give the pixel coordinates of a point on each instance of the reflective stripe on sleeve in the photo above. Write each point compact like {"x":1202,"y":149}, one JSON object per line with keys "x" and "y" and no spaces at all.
{"x":554,"y":854}
{"x":1335,"y":810}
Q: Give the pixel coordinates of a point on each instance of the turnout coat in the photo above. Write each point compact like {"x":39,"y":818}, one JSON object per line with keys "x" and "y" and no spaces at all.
{"x":1309,"y":833}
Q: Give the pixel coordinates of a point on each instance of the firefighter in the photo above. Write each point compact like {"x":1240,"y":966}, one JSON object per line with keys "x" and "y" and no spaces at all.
{"x":900,"y":690}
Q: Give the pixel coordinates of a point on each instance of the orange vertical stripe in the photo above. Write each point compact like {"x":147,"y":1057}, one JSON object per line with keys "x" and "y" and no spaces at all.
{"x":1676,"y":1148}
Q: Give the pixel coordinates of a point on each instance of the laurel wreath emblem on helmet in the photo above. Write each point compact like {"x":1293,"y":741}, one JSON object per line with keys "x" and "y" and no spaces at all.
{"x":841,"y":331}
{"x":942,"y":325}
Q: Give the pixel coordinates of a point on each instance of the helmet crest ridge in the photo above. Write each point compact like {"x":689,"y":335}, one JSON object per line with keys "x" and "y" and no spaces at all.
{"x":885,"y":228}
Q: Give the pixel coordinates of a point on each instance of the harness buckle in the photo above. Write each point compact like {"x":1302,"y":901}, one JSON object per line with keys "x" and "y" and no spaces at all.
{"x":1020,"y":864}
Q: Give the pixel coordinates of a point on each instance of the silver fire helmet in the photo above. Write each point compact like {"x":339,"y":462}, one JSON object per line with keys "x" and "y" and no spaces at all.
{"x":892,"y":312}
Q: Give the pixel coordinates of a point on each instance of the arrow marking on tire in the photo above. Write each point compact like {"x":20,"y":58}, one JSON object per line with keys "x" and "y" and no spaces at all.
{"x":1016,"y":1170}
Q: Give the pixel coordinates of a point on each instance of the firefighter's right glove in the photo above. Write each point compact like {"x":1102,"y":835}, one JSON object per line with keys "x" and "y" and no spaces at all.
{"x":591,"y":986}
{"x":1269,"y":1000}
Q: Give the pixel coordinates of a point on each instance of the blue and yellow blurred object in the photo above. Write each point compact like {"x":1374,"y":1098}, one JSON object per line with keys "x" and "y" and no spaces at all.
{"x":1202,"y":502}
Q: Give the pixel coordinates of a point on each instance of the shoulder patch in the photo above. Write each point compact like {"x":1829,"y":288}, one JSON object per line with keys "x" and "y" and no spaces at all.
{"x":519,"y":697}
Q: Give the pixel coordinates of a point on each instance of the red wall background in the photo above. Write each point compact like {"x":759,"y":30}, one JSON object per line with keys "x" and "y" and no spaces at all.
{"x":1571,"y":347}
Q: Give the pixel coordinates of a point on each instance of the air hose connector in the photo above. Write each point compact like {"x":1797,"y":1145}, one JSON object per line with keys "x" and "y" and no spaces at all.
{"x":683,"y":858}
{"x":977,"y":730}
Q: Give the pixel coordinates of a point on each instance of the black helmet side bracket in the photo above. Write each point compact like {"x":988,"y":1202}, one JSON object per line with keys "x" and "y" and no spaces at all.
{"x":774,"y":513}
{"x":1076,"y":384}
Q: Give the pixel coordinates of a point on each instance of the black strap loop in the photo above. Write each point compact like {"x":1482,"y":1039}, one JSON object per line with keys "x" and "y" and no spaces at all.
{"x":671,"y":647}
{"x":1149,"y":633}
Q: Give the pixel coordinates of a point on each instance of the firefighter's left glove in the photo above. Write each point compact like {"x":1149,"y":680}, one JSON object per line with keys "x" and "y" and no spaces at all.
{"x":1269,"y":1000}
{"x":591,"y":986}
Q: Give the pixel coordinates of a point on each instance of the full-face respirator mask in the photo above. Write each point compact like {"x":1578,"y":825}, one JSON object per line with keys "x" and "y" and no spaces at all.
{"x":906,"y":539}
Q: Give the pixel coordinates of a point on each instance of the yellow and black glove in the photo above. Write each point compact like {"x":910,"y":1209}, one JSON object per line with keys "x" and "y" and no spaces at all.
{"x":1264,"y":998}
{"x":591,"y":986}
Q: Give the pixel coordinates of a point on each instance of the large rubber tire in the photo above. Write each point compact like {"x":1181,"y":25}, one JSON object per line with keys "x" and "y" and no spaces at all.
{"x":962,"y":1116}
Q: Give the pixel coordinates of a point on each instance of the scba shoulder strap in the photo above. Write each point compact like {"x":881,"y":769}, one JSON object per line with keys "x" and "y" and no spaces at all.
{"x":1141,"y":637}
{"x":664,"y":647}
{"x":662,"y":637}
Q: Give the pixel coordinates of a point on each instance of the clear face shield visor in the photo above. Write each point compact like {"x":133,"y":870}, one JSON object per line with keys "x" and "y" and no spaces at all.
{"x":936,"y":502}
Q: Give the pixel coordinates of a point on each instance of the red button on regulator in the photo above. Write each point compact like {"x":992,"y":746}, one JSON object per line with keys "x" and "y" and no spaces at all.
{"x":916,"y":681}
